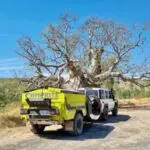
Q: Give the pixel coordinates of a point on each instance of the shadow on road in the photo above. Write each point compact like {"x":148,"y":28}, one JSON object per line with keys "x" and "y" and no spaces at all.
{"x":117,"y":119}
{"x":95,"y":130}
{"x":91,"y":131}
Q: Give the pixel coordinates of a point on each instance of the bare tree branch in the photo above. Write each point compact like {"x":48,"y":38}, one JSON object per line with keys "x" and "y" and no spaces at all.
{"x":90,"y":54}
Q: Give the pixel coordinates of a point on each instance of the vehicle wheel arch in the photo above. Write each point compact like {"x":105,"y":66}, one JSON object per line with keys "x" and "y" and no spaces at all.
{"x":79,"y":111}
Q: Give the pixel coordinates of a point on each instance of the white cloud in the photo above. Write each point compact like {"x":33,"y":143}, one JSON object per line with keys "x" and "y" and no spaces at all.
{"x":9,"y":64}
{"x":11,"y":68}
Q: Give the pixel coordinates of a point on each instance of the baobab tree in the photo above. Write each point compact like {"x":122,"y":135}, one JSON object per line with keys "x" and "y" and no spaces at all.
{"x":89,"y":53}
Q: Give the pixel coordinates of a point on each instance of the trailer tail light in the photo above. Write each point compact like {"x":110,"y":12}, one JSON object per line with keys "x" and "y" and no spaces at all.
{"x":24,"y":111}
{"x":54,"y":111}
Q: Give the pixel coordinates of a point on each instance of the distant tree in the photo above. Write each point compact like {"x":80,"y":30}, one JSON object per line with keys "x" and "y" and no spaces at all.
{"x":90,"y":53}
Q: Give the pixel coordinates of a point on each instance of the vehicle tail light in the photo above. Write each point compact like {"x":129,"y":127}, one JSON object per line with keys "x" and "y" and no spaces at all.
{"x":24,"y":111}
{"x":54,"y":111}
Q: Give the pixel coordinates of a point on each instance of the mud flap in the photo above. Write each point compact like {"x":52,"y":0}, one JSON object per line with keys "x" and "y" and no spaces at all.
{"x":68,"y":126}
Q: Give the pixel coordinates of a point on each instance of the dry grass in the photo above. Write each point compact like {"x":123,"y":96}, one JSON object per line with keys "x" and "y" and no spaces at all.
{"x":10,"y":118}
{"x":135,"y":101}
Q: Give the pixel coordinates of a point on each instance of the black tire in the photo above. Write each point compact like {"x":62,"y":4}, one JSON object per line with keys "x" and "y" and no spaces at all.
{"x":93,"y":106}
{"x":37,"y":129}
{"x":78,"y":124}
{"x":104,"y":116}
{"x":115,"y":110}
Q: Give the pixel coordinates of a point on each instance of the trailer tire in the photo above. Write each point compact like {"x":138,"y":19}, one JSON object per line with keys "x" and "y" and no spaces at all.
{"x":78,"y":124}
{"x":37,"y":129}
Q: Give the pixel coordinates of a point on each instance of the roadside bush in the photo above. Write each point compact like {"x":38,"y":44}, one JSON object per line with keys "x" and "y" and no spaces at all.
{"x":131,"y":93}
{"x":9,"y":91}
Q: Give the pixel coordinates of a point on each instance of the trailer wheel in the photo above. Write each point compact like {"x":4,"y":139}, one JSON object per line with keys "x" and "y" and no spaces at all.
{"x":105,"y":114}
{"x":37,"y":129}
{"x":78,"y":124}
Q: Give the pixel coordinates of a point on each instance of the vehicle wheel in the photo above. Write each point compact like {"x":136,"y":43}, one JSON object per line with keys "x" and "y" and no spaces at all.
{"x":37,"y":129}
{"x":115,"y":111}
{"x":105,"y":114}
{"x":78,"y":124}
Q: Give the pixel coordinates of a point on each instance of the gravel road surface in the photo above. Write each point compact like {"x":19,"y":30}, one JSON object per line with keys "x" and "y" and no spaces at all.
{"x":130,"y":130}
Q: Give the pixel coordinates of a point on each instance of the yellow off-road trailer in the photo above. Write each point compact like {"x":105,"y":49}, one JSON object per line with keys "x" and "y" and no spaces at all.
{"x":48,"y":106}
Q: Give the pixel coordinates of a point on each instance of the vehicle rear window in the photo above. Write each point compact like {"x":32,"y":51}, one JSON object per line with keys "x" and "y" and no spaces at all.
{"x":111,"y":94}
{"x":107,"y":94}
{"x":92,"y":92}
{"x":82,"y":91}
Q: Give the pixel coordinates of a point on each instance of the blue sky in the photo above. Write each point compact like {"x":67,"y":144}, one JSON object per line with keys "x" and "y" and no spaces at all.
{"x":30,"y":17}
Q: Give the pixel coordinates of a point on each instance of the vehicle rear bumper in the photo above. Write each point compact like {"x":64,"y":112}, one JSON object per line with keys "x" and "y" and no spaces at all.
{"x":45,"y":122}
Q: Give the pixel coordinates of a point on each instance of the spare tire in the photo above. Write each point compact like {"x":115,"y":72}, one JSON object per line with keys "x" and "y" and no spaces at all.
{"x":93,"y":107}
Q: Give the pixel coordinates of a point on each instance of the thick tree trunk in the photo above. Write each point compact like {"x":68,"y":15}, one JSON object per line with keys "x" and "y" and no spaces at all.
{"x":95,"y":66}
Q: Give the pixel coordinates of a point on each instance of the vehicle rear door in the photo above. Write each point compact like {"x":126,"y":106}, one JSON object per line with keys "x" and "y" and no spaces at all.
{"x":110,"y":100}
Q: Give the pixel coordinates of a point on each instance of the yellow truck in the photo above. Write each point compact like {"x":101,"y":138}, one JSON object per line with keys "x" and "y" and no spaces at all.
{"x":48,"y":106}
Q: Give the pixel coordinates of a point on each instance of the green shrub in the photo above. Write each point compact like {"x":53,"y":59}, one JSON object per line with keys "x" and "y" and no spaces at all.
{"x":10,"y":91}
{"x":131,"y":93}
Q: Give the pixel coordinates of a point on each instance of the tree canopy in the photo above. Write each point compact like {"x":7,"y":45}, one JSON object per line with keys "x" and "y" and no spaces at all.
{"x":88,"y":52}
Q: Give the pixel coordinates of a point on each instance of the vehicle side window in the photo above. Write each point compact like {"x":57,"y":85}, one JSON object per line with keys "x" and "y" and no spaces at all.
{"x":111,"y":95}
{"x":102,"y":94}
{"x":107,"y":94}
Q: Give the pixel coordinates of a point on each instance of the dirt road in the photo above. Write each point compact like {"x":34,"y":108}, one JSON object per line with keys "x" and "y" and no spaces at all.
{"x":129,"y":131}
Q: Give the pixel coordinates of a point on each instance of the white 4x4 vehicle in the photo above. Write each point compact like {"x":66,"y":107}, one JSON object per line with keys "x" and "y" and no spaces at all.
{"x":106,"y":98}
